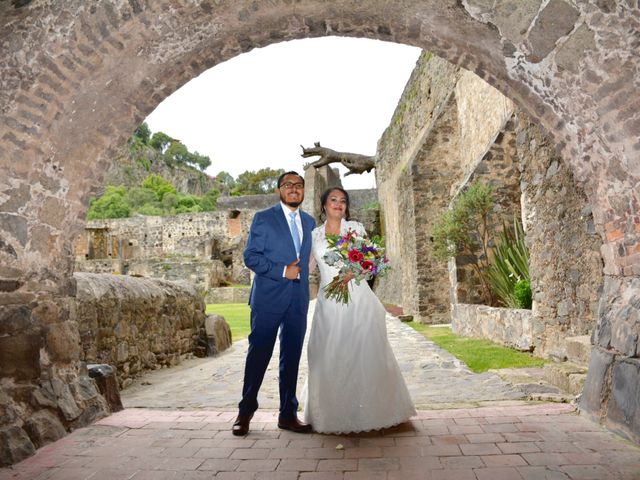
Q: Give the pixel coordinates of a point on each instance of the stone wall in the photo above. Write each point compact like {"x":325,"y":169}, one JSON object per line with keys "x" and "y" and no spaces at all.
{"x":471,"y":132}
{"x":430,"y":86}
{"x":507,"y":326}
{"x":247,"y":202}
{"x":565,"y":260}
{"x":445,"y":132}
{"x":204,"y":248}
{"x":497,"y":167}
{"x":228,"y":295}
{"x":136,"y":324}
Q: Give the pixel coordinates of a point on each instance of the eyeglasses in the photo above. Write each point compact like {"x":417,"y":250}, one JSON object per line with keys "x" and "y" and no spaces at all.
{"x":289,"y":186}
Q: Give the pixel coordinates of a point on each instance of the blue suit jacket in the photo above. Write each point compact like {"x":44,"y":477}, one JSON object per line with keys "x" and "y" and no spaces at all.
{"x":268,"y":251}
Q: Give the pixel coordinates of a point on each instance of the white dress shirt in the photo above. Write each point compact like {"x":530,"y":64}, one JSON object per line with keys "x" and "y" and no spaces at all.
{"x":287,"y":211}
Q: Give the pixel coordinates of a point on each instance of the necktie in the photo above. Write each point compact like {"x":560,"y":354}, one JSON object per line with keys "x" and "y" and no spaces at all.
{"x":295,"y":234}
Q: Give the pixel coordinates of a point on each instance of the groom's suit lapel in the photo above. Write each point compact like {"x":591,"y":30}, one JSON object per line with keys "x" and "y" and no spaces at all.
{"x":283,"y":225}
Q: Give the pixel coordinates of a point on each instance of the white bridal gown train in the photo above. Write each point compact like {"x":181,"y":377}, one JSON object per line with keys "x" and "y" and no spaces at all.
{"x":354,"y":382}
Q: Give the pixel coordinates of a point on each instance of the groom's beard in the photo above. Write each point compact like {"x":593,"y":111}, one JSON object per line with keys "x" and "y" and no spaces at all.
{"x":292,"y":203}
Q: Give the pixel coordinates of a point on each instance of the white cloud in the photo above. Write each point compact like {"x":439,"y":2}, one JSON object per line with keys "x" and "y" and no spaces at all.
{"x":256,"y":109}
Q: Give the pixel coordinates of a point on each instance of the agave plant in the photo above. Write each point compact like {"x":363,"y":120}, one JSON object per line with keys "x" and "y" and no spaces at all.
{"x":510,"y":267}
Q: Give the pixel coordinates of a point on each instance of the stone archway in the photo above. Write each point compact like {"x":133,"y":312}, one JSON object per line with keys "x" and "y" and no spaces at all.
{"x":76,"y":80}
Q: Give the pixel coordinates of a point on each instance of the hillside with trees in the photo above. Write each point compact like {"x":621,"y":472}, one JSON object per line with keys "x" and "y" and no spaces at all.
{"x":156,"y":174}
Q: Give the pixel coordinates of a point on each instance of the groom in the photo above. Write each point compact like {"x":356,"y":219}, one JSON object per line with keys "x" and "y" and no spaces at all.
{"x":277,"y":252}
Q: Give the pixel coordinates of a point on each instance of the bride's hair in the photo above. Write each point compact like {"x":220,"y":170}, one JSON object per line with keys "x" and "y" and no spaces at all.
{"x":325,"y":196}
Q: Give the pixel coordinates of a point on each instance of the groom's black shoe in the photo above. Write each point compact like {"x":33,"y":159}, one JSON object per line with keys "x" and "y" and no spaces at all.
{"x":241,"y":425}
{"x":294,"y":425}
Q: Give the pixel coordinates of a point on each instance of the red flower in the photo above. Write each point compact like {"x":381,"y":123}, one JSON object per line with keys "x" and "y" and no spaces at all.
{"x":366,"y":264}
{"x":355,"y":256}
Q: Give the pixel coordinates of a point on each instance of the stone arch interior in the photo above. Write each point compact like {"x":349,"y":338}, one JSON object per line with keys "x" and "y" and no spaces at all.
{"x":568,"y":65}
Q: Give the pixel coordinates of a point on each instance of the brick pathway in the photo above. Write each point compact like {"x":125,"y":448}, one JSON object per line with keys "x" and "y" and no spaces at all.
{"x":544,"y":441}
{"x":181,"y":430}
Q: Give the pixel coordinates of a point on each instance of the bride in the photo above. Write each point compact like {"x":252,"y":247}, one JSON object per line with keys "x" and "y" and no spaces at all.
{"x":354,"y":381}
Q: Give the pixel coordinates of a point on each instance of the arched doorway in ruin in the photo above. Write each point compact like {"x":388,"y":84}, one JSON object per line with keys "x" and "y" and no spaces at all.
{"x":78,"y":79}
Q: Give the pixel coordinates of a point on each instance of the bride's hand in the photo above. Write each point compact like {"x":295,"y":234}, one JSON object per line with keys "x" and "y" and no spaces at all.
{"x":348,"y":277}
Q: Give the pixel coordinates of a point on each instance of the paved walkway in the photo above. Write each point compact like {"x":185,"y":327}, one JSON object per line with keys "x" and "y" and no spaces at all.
{"x":435,"y":378}
{"x":183,"y":432}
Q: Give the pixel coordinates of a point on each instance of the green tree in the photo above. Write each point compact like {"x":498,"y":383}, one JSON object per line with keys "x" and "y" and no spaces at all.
{"x":138,"y":196}
{"x":112,"y":204}
{"x":160,"y":141}
{"x":188,"y":204}
{"x":143,"y":133}
{"x":463,"y":230}
{"x":262,"y":181}
{"x":226,"y":181}
{"x":208,"y":200}
{"x":158,"y":185}
{"x":178,"y":153}
{"x":200,"y":161}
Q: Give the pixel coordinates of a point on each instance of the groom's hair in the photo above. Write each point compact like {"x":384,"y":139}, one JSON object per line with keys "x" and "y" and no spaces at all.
{"x":289,"y":173}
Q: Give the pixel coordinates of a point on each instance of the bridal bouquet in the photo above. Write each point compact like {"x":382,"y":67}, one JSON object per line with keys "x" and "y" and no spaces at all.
{"x":365,"y":258}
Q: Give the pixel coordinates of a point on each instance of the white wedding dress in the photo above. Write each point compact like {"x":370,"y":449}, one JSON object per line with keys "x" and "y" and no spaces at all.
{"x":354,"y":382}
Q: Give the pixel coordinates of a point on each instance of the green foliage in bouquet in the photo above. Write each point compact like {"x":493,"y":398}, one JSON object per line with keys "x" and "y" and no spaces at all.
{"x":508,"y":273}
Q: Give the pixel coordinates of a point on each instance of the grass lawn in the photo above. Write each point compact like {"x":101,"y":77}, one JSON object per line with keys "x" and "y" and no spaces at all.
{"x":479,"y":355}
{"x":237,"y":316}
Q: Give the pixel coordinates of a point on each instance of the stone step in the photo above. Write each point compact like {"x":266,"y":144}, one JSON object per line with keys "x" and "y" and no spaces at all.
{"x":579,"y":349}
{"x":567,"y":376}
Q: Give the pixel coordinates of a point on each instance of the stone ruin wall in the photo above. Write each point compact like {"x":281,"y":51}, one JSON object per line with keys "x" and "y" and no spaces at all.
{"x":418,"y":107}
{"x":137,"y":324}
{"x":204,"y":248}
{"x":446,"y":121}
{"x":565,"y":261}
{"x":468,"y":131}
{"x":498,"y":168}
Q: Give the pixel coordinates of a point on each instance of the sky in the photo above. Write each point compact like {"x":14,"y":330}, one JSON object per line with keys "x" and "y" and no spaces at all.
{"x":256,"y":109}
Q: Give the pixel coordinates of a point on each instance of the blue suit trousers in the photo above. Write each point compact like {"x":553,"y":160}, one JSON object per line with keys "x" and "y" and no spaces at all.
{"x":264,"y":330}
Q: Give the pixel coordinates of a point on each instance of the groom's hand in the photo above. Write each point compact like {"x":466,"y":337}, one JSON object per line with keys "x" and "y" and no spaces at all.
{"x":292,"y":271}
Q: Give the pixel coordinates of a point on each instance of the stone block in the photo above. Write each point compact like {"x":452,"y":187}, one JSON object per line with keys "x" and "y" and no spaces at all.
{"x":15,"y":445}
{"x":579,"y":349}
{"x":43,"y":427}
{"x":20,"y":356}
{"x":625,"y":331}
{"x":563,"y":376}
{"x":573,"y":51}
{"x":513,"y":17}
{"x":14,"y":319}
{"x":624,"y":403}
{"x":105,"y":377}
{"x":555,"y":21}
{"x":63,"y":342}
{"x":17,"y":225}
{"x":595,"y":390}
{"x":217,"y":328}
{"x":64,"y":400}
